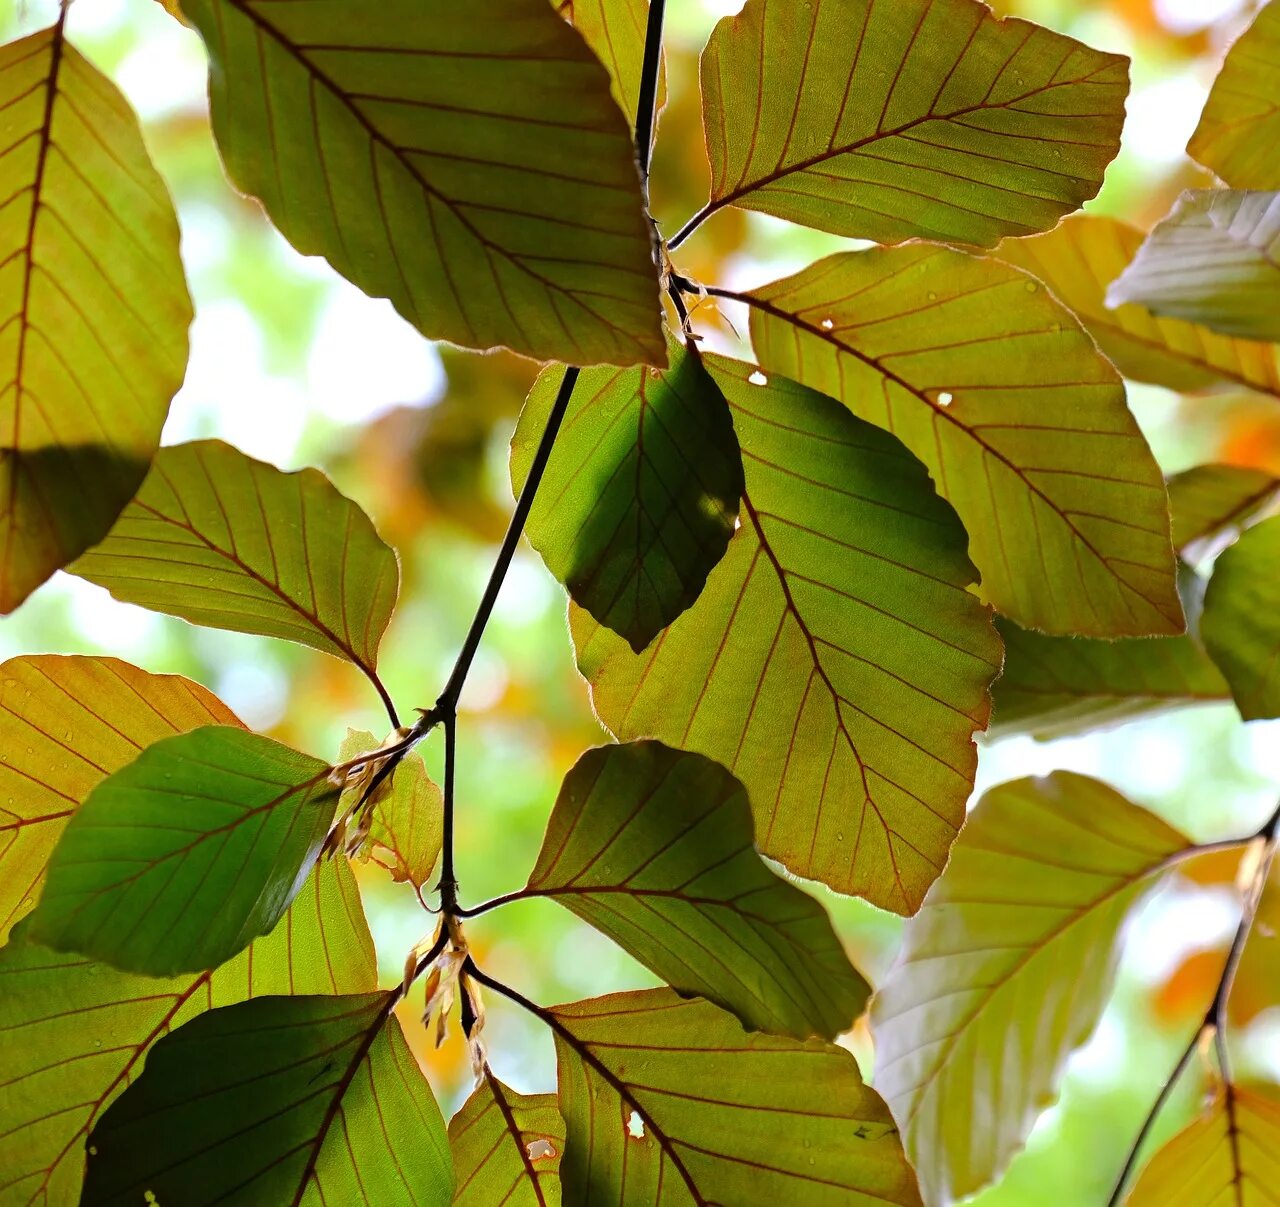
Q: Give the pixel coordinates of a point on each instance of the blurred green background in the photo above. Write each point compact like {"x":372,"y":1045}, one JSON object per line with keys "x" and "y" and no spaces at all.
{"x":297,"y":367}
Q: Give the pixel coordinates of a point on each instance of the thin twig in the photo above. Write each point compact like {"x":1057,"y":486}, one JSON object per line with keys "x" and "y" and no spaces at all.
{"x":647,"y":99}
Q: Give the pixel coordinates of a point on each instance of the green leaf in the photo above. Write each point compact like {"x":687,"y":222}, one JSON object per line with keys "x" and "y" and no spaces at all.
{"x":1227,"y":1156}
{"x":835,"y":661}
{"x":1240,"y":125}
{"x":1241,"y":621}
{"x":66,"y":723}
{"x":654,"y":847}
{"x":727,"y":1116}
{"x":277,"y":1100}
{"x":615,"y":31}
{"x":179,"y":859}
{"x":408,"y":817}
{"x":78,"y":1032}
{"x":1054,"y":686}
{"x":1214,"y":260}
{"x":1213,"y":504}
{"x":1006,"y":969}
{"x":506,"y":1148}
{"x":1023,"y":425}
{"x":641,"y":493}
{"x":95,"y":345}
{"x":1082,"y":257}
{"x":466,"y":162}
{"x":223,"y":540}
{"x":920,"y":118}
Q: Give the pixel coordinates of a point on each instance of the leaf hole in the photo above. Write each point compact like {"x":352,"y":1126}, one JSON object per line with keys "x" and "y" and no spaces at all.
{"x":635,"y":1126}
{"x":945,"y":398}
{"x":827,"y":324}
{"x":540,"y":1149}
{"x":758,"y":379}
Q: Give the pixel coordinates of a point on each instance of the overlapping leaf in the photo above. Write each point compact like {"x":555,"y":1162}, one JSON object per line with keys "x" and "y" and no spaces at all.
{"x":1241,"y":621}
{"x":466,"y":162}
{"x":1214,"y":260}
{"x":92,"y":345}
{"x":1005,"y":970}
{"x":1023,"y":425}
{"x":724,"y":1116}
{"x":76,"y":1033}
{"x":1229,"y":1157}
{"x":223,"y":540}
{"x":924,"y":118}
{"x":65,"y":724}
{"x":506,"y":1148}
{"x":654,"y":847}
{"x":1082,"y":257}
{"x":1240,"y":125}
{"x":1212,"y":504}
{"x":641,"y":493}
{"x":178,"y":860}
{"x":277,"y":1100}
{"x":615,"y":30}
{"x":835,"y":661}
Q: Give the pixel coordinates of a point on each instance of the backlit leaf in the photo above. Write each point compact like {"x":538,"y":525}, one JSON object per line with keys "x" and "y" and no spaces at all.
{"x":1082,"y":257}
{"x":506,"y":1148}
{"x":277,"y":1100}
{"x":93,"y":342}
{"x":223,"y":540}
{"x":1023,"y":425}
{"x":724,"y":1116}
{"x":182,"y":857}
{"x":1229,"y":1157}
{"x":1214,"y":260}
{"x":615,"y":30}
{"x":65,"y":724}
{"x":1241,"y":621}
{"x":466,"y":161}
{"x":641,"y":493}
{"x":835,"y":661}
{"x":1240,"y":125}
{"x":77,"y":1032}
{"x":916,"y":118}
{"x":1006,"y":969}
{"x":1212,"y":504}
{"x":654,"y":847}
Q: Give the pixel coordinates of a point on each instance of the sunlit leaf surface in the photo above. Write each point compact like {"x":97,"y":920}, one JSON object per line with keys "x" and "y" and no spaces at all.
{"x":614,"y":29}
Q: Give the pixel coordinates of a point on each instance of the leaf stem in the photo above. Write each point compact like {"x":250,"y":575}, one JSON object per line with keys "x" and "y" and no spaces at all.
{"x":384,"y":695}
{"x":692,"y":225}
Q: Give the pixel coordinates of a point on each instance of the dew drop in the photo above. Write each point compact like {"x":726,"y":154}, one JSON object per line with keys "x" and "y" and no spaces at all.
{"x":827,"y":324}
{"x":97,"y":1043}
{"x":945,"y":398}
{"x":933,"y":297}
{"x":1031,"y":287}
{"x":758,"y":379}
{"x":93,"y":1150}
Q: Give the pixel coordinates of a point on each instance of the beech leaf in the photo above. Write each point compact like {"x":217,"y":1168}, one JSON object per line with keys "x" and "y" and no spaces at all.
{"x":1022,"y":423}
{"x":641,"y":493}
{"x":1006,"y":969}
{"x":182,"y":857}
{"x":66,"y":723}
{"x":654,"y":847}
{"x":724,"y":1116}
{"x":466,"y":162}
{"x":615,"y":31}
{"x":272,"y":1101}
{"x":1213,"y":504}
{"x":835,"y":662}
{"x":926,"y":119}
{"x":94,"y":308}
{"x":85,"y":1029}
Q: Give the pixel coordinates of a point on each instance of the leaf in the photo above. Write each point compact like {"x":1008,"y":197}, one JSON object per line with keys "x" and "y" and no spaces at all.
{"x":1082,"y":257}
{"x":615,"y":31}
{"x":641,"y":493}
{"x":1214,"y":260}
{"x":181,"y":858}
{"x":1212,"y":504}
{"x":835,"y":661}
{"x":1237,"y":133}
{"x":1023,"y":425}
{"x":921,"y":118}
{"x":78,"y":1031}
{"x":466,"y":162}
{"x":727,"y":1116}
{"x":654,"y":847}
{"x":506,"y":1148}
{"x":1006,"y":969}
{"x":408,"y":817}
{"x":277,"y":1100}
{"x":1226,"y":1157}
{"x":226,"y":541}
{"x":65,"y":724}
{"x":1241,"y":621}
{"x":93,"y":346}
{"x":1054,"y":686}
